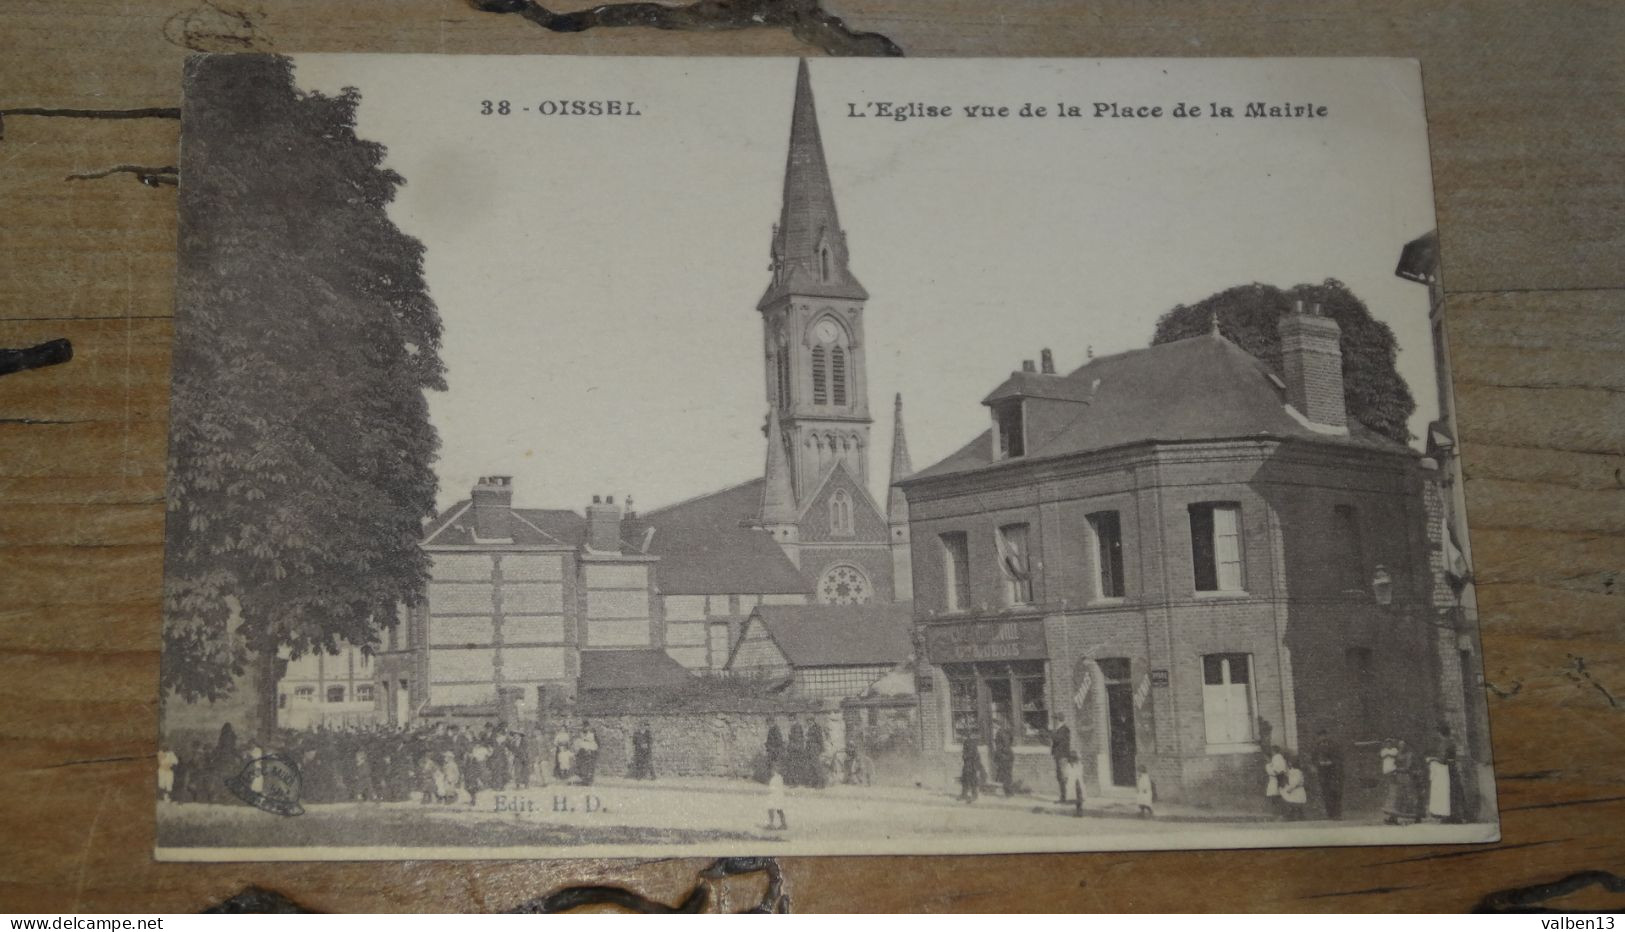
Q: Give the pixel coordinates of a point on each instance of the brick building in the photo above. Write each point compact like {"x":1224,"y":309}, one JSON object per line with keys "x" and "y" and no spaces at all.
{"x":1184,"y":557}
{"x":522,"y":606}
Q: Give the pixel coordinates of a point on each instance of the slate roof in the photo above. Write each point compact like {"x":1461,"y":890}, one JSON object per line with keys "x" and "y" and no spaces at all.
{"x":454,"y":527}
{"x":1201,"y":388}
{"x":631,"y":669}
{"x":709,"y":545}
{"x":807,"y":216}
{"x":839,"y":635}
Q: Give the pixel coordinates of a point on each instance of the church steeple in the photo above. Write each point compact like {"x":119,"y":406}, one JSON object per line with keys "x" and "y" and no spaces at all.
{"x":778,"y":491}
{"x":901,"y":468}
{"x":809,"y":247}
{"x":902,"y":553}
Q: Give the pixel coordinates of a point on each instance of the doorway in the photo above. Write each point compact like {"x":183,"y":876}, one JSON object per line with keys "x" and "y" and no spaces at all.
{"x":1116,"y":672}
{"x":403,"y":703}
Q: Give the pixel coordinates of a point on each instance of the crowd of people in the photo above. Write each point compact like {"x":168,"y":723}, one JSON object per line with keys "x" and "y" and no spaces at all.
{"x":1415,"y":788}
{"x":443,"y":764}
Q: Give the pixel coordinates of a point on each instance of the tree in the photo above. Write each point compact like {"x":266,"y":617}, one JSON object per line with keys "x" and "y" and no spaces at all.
{"x":1249,"y":315}
{"x":300,"y":444}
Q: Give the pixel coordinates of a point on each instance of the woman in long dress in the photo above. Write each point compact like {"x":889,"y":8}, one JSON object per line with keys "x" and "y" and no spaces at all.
{"x":1398,"y":764}
{"x":1274,"y":776}
{"x":1444,"y":793}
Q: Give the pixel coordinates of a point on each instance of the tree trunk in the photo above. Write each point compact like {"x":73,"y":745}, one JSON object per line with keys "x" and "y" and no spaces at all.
{"x":265,"y":671}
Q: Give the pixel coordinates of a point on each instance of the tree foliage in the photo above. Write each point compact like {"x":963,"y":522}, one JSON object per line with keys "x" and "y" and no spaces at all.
{"x":300,"y":444}
{"x":1249,"y":316}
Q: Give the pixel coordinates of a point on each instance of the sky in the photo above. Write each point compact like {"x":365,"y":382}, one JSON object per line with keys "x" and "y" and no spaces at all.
{"x":597,"y":276}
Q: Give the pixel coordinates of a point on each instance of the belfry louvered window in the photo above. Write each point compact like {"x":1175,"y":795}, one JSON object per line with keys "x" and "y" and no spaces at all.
{"x":820,"y":374}
{"x":838,"y":374}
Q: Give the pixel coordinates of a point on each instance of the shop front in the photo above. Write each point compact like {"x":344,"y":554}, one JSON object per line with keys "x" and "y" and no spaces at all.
{"x":996,"y":688}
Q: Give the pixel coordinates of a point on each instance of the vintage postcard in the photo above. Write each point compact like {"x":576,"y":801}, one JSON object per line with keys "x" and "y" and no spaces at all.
{"x":539,"y":483}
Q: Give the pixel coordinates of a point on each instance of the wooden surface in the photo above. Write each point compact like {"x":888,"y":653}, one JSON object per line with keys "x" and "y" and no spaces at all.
{"x":1526,"y":103}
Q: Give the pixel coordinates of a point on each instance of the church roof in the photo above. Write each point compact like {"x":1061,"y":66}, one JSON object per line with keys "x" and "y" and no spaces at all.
{"x":630,"y":669}
{"x":454,"y":527}
{"x":867,"y":634}
{"x":807,"y":218}
{"x":1201,"y":388}
{"x":711,"y":545}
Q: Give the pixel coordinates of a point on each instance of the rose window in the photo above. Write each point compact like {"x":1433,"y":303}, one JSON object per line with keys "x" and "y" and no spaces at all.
{"x":843,"y":585}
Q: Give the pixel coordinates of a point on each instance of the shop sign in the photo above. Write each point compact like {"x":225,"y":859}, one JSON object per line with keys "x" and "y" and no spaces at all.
{"x":986,"y":640}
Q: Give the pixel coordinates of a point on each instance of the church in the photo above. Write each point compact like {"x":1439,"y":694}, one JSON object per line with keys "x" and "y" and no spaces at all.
{"x":807,"y":530}
{"x":528,"y":608}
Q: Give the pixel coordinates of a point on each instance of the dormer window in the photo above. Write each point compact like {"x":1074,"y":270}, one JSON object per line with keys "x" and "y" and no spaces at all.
{"x":823,"y":263}
{"x":1011,"y":431}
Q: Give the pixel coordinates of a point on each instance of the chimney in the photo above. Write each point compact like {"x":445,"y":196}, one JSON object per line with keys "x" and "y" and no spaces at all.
{"x":604,"y":525}
{"x":1046,"y":362}
{"x":1313,"y":364}
{"x":1027,"y":366}
{"x":493,"y":499}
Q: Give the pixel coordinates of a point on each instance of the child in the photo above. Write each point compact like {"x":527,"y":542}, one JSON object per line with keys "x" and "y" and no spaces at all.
{"x":1072,"y":774}
{"x":1145,"y":792}
{"x":775,"y":800}
{"x":1293,"y":795}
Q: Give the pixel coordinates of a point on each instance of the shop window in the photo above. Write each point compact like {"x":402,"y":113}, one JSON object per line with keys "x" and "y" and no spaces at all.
{"x":1228,"y":701}
{"x":985,"y":698}
{"x":335,"y":694}
{"x":1216,"y":546}
{"x":363,"y":692}
{"x":956,"y":571}
{"x":1107,"y":531}
{"x":1034,"y":709}
{"x":963,"y":707}
{"x":305,"y":693}
{"x":1015,"y":563}
{"x":282,"y":700}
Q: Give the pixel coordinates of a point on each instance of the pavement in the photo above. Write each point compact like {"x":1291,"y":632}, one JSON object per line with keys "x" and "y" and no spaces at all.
{"x":713,"y":816}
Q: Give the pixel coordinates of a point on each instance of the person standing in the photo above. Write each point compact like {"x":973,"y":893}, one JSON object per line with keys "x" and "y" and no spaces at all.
{"x":562,"y":756}
{"x":1294,"y":796}
{"x":522,"y":763}
{"x":476,"y":770}
{"x":775,"y":800}
{"x":1398,"y":806}
{"x":1329,"y":770}
{"x":586,"y":748}
{"x":1274,"y":775}
{"x":970,"y":769}
{"x":1072,"y":770}
{"x":167,"y":762}
{"x":1004,"y":759}
{"x":773,"y":750}
{"x":1060,"y":748}
{"x":816,"y":774}
{"x":1145,"y":792}
{"x":643,"y":748}
{"x":1444,"y":800}
{"x":795,"y":750}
